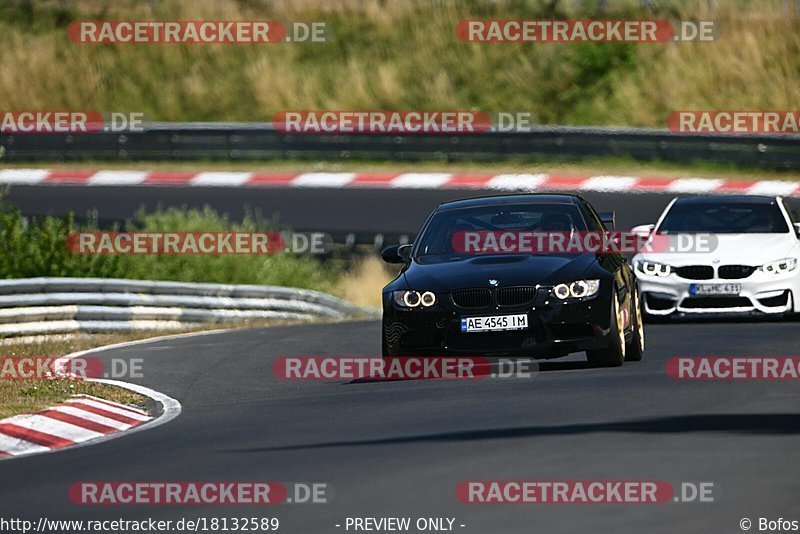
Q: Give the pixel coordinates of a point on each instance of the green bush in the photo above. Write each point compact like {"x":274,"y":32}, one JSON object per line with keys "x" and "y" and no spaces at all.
{"x":38,"y":247}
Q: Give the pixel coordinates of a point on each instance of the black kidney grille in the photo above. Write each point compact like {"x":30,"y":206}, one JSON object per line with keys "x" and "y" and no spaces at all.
{"x":472,"y":298}
{"x":735,"y":272}
{"x":696,"y":272}
{"x":515,"y":296}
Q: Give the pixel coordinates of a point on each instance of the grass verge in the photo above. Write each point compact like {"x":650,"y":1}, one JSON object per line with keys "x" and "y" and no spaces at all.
{"x":25,"y":396}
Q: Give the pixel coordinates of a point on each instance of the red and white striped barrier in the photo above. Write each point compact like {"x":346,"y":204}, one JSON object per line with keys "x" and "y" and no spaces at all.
{"x":81,"y":418}
{"x":412,"y":180}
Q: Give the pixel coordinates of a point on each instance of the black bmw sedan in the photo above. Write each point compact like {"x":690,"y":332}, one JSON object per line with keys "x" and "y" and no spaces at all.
{"x":473,"y":283}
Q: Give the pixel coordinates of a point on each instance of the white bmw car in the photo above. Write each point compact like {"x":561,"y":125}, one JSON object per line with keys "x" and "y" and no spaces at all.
{"x":720,"y":256}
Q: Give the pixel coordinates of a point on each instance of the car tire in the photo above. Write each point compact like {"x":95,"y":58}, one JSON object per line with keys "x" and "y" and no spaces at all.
{"x":635,"y":349}
{"x":614,"y":354}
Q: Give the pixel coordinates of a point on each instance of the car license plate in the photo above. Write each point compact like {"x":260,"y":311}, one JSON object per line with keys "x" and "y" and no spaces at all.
{"x":715,"y":289}
{"x":494,"y":323}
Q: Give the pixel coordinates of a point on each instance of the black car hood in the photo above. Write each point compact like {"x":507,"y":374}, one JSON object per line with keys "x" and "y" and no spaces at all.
{"x":508,"y":270}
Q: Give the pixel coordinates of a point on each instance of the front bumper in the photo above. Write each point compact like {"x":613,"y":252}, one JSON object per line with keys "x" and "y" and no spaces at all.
{"x":760,"y":294}
{"x":555,"y":329}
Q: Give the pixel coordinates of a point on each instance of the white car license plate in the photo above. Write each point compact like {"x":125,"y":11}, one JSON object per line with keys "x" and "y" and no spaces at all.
{"x":494,"y":323}
{"x":715,"y":289}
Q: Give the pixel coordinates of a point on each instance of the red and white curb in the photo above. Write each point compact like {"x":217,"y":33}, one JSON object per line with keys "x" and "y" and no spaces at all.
{"x":79,"y":419}
{"x":413,"y":180}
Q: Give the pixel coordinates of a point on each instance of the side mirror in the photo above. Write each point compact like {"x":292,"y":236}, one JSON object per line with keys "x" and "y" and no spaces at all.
{"x":396,"y":254}
{"x":797,"y":229}
{"x":609,"y":218}
{"x":643,"y":229}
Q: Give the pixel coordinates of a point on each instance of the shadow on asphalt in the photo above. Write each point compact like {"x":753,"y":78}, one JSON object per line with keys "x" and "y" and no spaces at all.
{"x":755,"y":424}
{"x":483,"y":371}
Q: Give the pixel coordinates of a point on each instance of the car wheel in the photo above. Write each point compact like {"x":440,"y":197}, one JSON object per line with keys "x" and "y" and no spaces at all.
{"x":635,"y":349}
{"x":614,"y":354}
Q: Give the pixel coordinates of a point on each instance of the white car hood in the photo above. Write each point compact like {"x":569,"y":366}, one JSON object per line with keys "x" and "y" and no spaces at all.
{"x":736,"y":249}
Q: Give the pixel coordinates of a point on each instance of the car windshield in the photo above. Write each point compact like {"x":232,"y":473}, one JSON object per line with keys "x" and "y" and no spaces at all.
{"x":724,"y":218}
{"x":436,"y":241}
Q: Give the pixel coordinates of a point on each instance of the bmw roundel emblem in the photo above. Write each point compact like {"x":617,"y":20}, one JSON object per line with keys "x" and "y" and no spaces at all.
{"x":493,"y":282}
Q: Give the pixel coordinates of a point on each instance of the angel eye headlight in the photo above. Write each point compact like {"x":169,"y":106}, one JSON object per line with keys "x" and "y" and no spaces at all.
{"x":406,"y":298}
{"x":427,"y":299}
{"x":578,"y":289}
{"x":652,"y":268}
{"x":413,"y":299}
{"x":779,"y":267}
{"x":561,"y":291}
{"x":584,"y":288}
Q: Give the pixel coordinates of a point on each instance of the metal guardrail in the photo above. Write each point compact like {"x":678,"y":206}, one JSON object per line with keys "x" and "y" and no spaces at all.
{"x":261,"y":141}
{"x":63,"y":305}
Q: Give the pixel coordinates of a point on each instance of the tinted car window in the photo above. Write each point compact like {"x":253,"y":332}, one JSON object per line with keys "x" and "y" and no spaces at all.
{"x":437,"y":237}
{"x":594,"y":218}
{"x":721,"y":218}
{"x":793,"y":208}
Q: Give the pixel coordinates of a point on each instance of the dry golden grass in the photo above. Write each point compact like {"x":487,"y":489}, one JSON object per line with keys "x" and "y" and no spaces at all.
{"x":363,"y":283}
{"x":754,"y":65}
{"x":403,"y":55}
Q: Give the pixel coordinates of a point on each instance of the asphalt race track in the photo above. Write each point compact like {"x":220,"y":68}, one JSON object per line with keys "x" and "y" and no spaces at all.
{"x":400,"y":448}
{"x":400,"y":211}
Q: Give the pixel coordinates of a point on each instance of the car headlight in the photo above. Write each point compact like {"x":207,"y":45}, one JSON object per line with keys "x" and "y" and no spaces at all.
{"x":413,"y":299}
{"x":653,"y":268}
{"x":779,"y":267}
{"x":576,"y":290}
